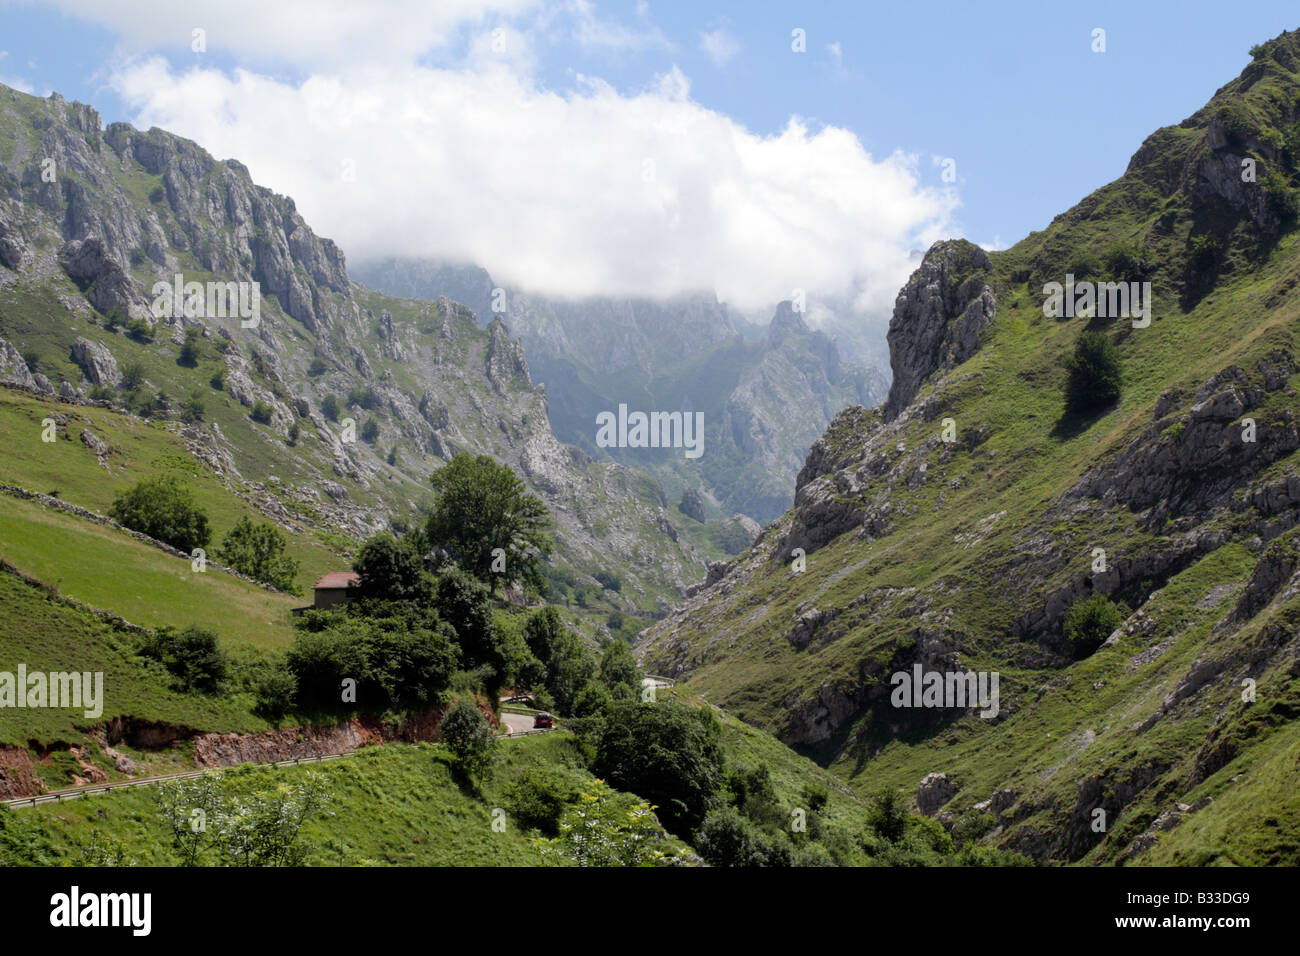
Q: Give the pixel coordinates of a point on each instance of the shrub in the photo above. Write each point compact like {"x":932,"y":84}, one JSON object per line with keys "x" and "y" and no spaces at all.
{"x":164,"y":509}
{"x":1128,"y":262}
{"x":728,"y":839}
{"x":1090,"y":621}
{"x":363,"y":398}
{"x":140,"y":330}
{"x":329,"y":407}
{"x":370,"y":431}
{"x":192,"y":410}
{"x":537,"y":799}
{"x":32,"y":360}
{"x":132,"y":376}
{"x":608,"y":581}
{"x":294,"y":432}
{"x":887,"y":814}
{"x":192,"y":350}
{"x":1095,"y":375}
{"x":218,"y":380}
{"x":317,"y":367}
{"x":261,"y":413}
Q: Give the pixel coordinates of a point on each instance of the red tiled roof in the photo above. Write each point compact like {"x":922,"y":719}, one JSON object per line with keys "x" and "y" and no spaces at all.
{"x":336,"y":580}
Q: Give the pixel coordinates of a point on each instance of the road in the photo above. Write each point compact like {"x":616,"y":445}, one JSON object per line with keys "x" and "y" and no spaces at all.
{"x":517,"y":723}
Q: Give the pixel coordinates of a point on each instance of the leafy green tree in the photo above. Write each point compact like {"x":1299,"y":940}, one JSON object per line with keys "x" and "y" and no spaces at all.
{"x":1095,"y":374}
{"x":193,"y":656}
{"x":1090,"y":621}
{"x":164,"y":509}
{"x":620,"y":672}
{"x":261,"y":412}
{"x":390,"y":570}
{"x":464,"y":603}
{"x":667,"y":752}
{"x":480,"y":506}
{"x":370,"y":431}
{"x":468,"y":736}
{"x":329,"y":407}
{"x":599,"y":831}
{"x":257,"y":550}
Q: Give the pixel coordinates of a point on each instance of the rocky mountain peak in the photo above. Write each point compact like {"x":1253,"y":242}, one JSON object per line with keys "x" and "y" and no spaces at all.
{"x":938,"y":317}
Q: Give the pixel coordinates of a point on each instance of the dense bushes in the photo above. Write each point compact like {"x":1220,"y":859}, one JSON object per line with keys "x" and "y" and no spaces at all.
{"x":394,"y":660}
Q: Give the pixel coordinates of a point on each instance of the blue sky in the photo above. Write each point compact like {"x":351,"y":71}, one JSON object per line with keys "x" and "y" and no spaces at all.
{"x":1012,"y":92}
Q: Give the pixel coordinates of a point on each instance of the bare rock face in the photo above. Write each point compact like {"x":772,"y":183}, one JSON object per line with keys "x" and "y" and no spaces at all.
{"x":13,"y":367}
{"x":934,"y":791}
{"x":96,"y":361}
{"x":505,"y":357}
{"x":102,"y":278}
{"x":938,"y":317}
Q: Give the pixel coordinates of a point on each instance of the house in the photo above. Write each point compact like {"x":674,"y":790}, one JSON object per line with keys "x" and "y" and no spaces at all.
{"x":332,"y":590}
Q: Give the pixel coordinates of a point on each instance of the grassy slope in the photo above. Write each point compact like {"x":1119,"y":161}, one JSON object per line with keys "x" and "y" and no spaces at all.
{"x":48,"y":635}
{"x":396,"y":805}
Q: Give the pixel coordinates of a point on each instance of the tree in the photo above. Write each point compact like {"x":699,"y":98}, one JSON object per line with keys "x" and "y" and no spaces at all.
{"x":317,"y":367}
{"x":193,"y":656}
{"x":257,"y":550}
{"x":600,"y":832}
{"x":619,"y":671}
{"x":390,"y":570}
{"x":668,"y":753}
{"x":261,"y":412}
{"x":1095,"y":375}
{"x":463,"y":602}
{"x":468,"y":736}
{"x":329,"y":407}
{"x":887,"y":814}
{"x":480,"y":506}
{"x":1090,"y":621}
{"x":370,"y":431}
{"x":164,"y":509}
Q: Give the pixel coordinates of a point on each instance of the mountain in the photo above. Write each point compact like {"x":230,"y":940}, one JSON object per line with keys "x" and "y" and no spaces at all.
{"x":765,"y":394}
{"x":97,"y":226}
{"x":957,"y":527}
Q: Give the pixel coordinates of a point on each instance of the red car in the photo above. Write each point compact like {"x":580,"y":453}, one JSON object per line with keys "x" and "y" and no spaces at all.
{"x":542,"y":720}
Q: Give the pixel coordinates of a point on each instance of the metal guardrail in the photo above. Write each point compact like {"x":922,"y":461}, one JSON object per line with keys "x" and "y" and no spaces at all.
{"x":73,"y":793}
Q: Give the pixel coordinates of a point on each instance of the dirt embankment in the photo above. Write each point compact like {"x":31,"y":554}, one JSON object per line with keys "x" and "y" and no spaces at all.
{"x":20,"y":767}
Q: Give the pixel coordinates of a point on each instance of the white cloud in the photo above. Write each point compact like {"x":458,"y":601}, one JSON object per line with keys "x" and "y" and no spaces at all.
{"x":719,"y":45}
{"x":594,"y":32}
{"x":311,"y":33}
{"x":590,"y":192}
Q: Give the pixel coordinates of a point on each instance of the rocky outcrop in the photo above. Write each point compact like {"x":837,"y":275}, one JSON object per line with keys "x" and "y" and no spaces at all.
{"x":95,"y":361}
{"x":938,"y":317}
{"x":934,"y":790}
